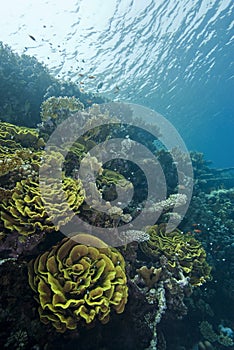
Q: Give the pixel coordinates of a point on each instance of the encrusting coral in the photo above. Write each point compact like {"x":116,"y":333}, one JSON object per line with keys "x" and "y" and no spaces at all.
{"x":150,"y":275}
{"x":78,"y":283}
{"x":179,"y":249}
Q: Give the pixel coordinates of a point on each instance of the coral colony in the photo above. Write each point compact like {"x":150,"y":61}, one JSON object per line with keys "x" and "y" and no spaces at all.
{"x":164,"y":290}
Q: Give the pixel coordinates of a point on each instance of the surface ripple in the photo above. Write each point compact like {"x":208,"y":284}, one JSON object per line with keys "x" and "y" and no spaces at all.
{"x":172,"y":56}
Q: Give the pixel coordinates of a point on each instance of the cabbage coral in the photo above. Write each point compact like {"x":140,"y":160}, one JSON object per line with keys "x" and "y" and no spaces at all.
{"x":181,"y":250}
{"x":77,"y":283}
{"x":60,"y":108}
{"x":13,"y":137}
{"x":25,"y":213}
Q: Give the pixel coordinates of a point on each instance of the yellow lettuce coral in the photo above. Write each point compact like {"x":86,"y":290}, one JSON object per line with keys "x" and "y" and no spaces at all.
{"x":78,"y":283}
{"x":60,"y":108}
{"x":13,"y":137}
{"x":21,"y":164}
{"x":25,"y":213}
{"x":179,"y":248}
{"x":20,"y":153}
{"x":9,"y":163}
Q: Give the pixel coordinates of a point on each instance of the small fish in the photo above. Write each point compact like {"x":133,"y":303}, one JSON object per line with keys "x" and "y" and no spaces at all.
{"x":100,"y":85}
{"x":81,"y":82}
{"x":92,"y":77}
{"x":197,"y":231}
{"x":32,"y":37}
{"x":81,"y":75}
{"x":216,"y":248}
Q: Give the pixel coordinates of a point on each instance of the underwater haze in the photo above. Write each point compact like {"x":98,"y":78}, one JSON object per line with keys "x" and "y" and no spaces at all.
{"x":175,"y":57}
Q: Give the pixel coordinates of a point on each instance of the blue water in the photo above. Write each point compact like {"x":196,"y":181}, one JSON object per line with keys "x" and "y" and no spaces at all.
{"x":175,"y":57}
{"x":183,"y":69}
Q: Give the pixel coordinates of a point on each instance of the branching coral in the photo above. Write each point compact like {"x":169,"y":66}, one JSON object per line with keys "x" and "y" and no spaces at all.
{"x":108,"y":184}
{"x":77,"y":283}
{"x":161,"y":300}
{"x":179,"y":248}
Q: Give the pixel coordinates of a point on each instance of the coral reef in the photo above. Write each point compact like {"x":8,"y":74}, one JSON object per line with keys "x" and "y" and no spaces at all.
{"x":17,"y":340}
{"x":25,"y":83}
{"x":13,"y":137}
{"x":58,"y":109}
{"x":20,"y":154}
{"x":180,"y":249}
{"x":64,"y":88}
{"x":149,"y":275}
{"x":25,"y":213}
{"x":162,"y":306}
{"x":207,"y":178}
{"x":77,"y":283}
{"x":55,"y":110}
{"x":209,"y":334}
{"x":215,"y":231}
{"x":164,"y":289}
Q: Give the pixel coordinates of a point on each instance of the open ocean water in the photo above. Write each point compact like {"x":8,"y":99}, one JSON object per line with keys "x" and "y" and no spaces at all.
{"x":163,"y":287}
{"x":175,"y":57}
